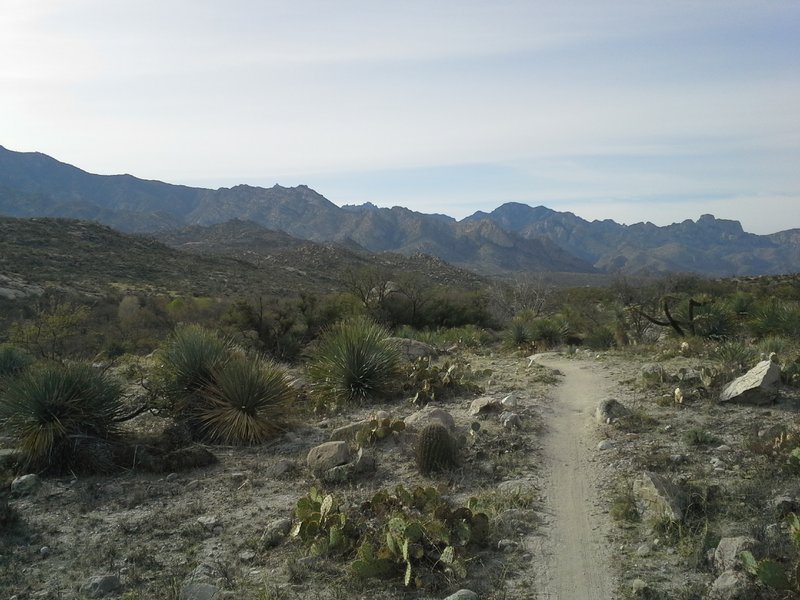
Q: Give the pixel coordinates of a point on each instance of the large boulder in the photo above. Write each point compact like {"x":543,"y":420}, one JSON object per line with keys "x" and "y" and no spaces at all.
{"x":610,"y":410}
{"x":328,"y":455}
{"x":758,"y":386}
{"x":661,"y":498}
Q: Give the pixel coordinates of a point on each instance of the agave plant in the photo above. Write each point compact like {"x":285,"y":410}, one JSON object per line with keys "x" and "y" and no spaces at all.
{"x":354,"y":362}
{"x":247,"y":403}
{"x":64,"y":417}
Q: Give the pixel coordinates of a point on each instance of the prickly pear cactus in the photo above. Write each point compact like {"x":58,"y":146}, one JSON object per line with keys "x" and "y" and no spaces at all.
{"x":436,"y":448}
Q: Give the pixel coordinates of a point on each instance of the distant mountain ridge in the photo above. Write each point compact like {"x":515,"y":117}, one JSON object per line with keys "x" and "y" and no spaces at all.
{"x":512,"y":238}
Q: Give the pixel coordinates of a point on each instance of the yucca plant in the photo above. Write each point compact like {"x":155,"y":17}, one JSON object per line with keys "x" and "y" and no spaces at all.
{"x":735,"y":356}
{"x":519,"y":334}
{"x":188,"y":362}
{"x":13,"y":361}
{"x":354,"y":362}
{"x":247,"y":402}
{"x":64,"y":417}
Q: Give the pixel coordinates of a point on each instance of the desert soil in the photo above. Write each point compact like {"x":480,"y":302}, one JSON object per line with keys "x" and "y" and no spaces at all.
{"x":559,"y":542}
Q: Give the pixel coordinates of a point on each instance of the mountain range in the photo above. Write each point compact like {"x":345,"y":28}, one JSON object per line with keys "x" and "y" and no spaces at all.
{"x":514,"y":238}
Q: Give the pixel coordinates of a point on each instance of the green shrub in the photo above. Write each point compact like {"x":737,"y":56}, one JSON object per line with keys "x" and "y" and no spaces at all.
{"x":600,"y":338}
{"x":519,"y":334}
{"x":188,"y":361}
{"x":63,"y":418}
{"x":13,"y":361}
{"x":735,"y":356}
{"x":354,"y":362}
{"x":550,"y":332}
{"x":247,"y":403}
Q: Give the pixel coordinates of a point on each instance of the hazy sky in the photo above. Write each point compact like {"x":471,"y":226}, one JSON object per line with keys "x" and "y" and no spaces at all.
{"x":634,"y":110}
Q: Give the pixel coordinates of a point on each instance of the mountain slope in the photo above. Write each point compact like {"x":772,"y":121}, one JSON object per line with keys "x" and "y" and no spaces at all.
{"x":511,"y":239}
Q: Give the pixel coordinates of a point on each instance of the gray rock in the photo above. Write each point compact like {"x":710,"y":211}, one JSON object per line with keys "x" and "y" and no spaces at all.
{"x":606,"y":445}
{"x":660,"y":497}
{"x":281,"y":467}
{"x":210,"y":522}
{"x":784,"y":505}
{"x":644,"y":550}
{"x":427,"y":415}
{"x":100,"y":585}
{"x":26,"y":485}
{"x":610,"y":410}
{"x":517,"y":486}
{"x":328,"y":455}
{"x":275,"y":532}
{"x":729,"y":550}
{"x":654,"y":373}
{"x":463,"y":594}
{"x":414,"y":349}
{"x":758,"y":386}
{"x":733,"y":585}
{"x":484,"y":405}
{"x":200,"y":590}
{"x":510,"y":420}
{"x":348,"y":432}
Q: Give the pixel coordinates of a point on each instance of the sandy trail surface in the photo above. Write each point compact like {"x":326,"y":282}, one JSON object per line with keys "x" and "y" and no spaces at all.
{"x":573,"y":540}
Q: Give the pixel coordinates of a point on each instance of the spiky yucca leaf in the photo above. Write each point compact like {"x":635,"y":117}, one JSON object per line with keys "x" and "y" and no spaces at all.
{"x":247,"y":403}
{"x":63,"y":417}
{"x":353,"y":362}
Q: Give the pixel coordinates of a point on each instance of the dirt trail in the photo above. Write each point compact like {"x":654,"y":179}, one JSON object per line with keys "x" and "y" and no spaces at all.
{"x":574,"y":542}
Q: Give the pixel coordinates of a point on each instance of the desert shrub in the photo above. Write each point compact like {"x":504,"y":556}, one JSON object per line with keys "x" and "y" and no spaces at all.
{"x":63,"y":417}
{"x":354,"y":362}
{"x":247,"y":402}
{"x":715,"y":321}
{"x":13,"y":361}
{"x":783,"y":346}
{"x":188,"y":360}
{"x":551,"y":332}
{"x":776,"y":318}
{"x":600,"y":338}
{"x":735,"y":356}
{"x":518,"y":334}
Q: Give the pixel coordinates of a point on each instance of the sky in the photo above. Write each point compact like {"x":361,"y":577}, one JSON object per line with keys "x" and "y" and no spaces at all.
{"x":631,"y":110}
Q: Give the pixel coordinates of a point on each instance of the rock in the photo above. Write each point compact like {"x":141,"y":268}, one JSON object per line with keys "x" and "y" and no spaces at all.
{"x":509,"y":401}
{"x":484,"y":405}
{"x":414,"y":349}
{"x":733,"y":585}
{"x":606,"y":445}
{"x":517,"y":486}
{"x":210,"y":523}
{"x":463,"y":594}
{"x":644,"y":550}
{"x":729,"y":550}
{"x":327,"y":455}
{"x":640,"y":589}
{"x":100,"y":585}
{"x":758,"y":386}
{"x":26,"y":485}
{"x":171,"y":477}
{"x":275,"y":532}
{"x":653,"y":373}
{"x":199,"y":590}
{"x":427,"y":415}
{"x":772,"y":432}
{"x":510,"y":420}
{"x":348,"y":432}
{"x":610,"y":410}
{"x":281,"y":467}
{"x":247,"y":556}
{"x":660,"y":497}
{"x":785,"y":505}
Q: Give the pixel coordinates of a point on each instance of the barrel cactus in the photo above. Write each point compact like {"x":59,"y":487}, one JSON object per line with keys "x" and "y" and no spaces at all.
{"x":436,"y":448}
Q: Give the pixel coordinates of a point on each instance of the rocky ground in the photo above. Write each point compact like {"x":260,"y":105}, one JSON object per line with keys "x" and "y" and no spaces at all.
{"x":567,"y":495}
